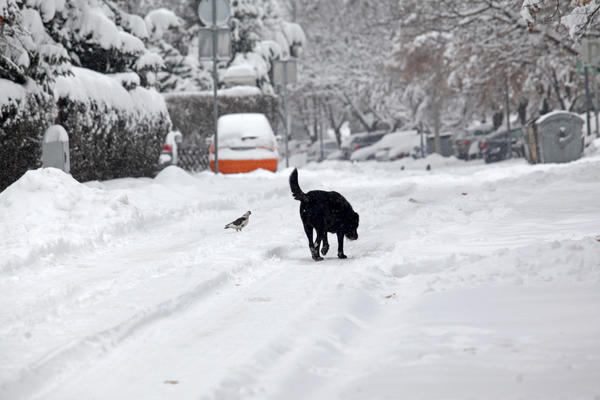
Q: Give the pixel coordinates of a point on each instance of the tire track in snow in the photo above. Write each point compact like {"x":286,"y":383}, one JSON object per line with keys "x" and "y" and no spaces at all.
{"x":75,"y":355}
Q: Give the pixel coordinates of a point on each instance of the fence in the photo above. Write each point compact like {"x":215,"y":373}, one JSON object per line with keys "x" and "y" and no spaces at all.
{"x":192,"y":159}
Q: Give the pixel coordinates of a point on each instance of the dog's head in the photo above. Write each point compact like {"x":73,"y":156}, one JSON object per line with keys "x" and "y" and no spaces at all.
{"x":351,"y":231}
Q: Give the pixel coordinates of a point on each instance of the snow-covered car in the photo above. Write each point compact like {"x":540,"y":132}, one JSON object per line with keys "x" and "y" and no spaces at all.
{"x":495,"y":146}
{"x":246,"y":143}
{"x":466,"y":143}
{"x":393,"y":146}
{"x":360,"y":140}
{"x":169,"y":154}
{"x":318,"y":154}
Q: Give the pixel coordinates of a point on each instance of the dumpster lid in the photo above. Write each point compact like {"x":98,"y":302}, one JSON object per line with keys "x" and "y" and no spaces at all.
{"x":554,"y":114}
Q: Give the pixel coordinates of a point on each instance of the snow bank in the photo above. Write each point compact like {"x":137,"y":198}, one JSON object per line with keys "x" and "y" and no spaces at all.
{"x":53,"y":212}
{"x":50,"y":212}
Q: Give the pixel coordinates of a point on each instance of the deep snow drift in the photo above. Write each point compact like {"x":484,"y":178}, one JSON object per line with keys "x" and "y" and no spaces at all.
{"x":467,"y":281}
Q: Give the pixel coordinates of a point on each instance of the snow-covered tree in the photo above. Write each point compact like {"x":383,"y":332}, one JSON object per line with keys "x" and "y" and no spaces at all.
{"x":166,"y":37}
{"x":27,"y":49}
{"x":577,"y":17}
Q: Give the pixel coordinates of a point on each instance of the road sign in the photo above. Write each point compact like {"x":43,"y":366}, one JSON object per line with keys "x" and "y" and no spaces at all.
{"x":205,"y":12}
{"x":205,"y":43}
{"x":590,"y":51}
{"x":285,"y":71}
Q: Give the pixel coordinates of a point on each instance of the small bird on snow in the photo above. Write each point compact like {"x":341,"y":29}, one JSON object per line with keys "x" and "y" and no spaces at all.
{"x":239,"y":223}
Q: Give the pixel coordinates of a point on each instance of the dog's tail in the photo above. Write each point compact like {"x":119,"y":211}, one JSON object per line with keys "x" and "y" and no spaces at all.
{"x":296,"y":191}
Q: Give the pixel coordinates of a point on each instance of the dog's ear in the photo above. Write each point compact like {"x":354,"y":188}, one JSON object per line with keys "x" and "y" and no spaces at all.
{"x":356,"y":217}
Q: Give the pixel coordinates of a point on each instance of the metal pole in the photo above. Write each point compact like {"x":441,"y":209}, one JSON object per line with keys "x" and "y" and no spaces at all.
{"x":587,"y":100}
{"x":215,"y":79}
{"x":422,"y":143}
{"x":285,"y":112}
{"x":509,"y":134}
{"x":596,"y":99}
{"x":321,"y":137}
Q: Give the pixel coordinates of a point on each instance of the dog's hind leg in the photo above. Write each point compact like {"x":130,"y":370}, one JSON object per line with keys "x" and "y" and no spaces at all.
{"x":341,"y":245}
{"x":314,"y":251}
{"x":325,"y":247}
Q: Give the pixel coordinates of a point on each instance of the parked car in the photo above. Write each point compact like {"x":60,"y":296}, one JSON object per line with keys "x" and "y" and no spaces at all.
{"x":169,"y":154}
{"x":466,"y":143}
{"x":246,"y":143}
{"x":496,"y":145}
{"x":314,"y":151}
{"x":390,"y":147}
{"x":360,"y":140}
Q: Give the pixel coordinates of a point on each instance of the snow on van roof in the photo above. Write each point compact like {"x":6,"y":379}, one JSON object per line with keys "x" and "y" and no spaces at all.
{"x":250,"y":124}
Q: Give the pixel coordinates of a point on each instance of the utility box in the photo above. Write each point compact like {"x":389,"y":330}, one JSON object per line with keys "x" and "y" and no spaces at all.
{"x":445,"y":144}
{"x":555,"y":137}
{"x":55,"y":149}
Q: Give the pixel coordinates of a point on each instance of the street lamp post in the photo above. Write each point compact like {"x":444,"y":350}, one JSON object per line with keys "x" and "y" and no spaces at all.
{"x":284,"y":72}
{"x":215,"y":44}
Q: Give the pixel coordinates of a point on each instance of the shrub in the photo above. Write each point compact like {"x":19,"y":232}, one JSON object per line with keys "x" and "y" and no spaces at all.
{"x":25,"y":113}
{"x":192,"y":112}
{"x":113,"y":132}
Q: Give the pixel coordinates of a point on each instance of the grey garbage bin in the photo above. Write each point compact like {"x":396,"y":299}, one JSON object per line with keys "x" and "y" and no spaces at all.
{"x":445,"y":144}
{"x":554,"y":138}
{"x":55,"y":148}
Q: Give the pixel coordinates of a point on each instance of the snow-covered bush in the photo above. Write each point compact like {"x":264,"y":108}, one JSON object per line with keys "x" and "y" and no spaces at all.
{"x":192,"y":113}
{"x":112,"y":132}
{"x":25,"y":113}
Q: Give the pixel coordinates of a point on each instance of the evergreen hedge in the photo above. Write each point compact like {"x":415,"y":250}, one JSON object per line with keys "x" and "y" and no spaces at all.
{"x":22,"y":126}
{"x":192,"y":112}
{"x":106,"y":142}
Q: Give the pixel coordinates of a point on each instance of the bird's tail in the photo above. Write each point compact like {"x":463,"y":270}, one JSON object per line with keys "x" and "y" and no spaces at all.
{"x":228,"y":226}
{"x":296,"y":191}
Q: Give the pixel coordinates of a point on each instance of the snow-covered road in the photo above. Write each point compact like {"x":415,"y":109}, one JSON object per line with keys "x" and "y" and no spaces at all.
{"x":469,"y":281}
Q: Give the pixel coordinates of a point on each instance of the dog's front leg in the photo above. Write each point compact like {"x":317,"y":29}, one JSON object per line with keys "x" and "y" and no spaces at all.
{"x":341,"y":245}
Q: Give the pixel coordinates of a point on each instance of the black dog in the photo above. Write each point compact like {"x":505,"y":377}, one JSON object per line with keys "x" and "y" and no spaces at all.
{"x":325,"y":212}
